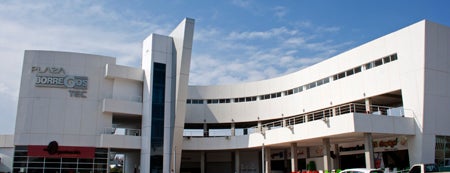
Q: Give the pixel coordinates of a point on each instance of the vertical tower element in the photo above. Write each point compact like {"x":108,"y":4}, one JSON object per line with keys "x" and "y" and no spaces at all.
{"x":166,"y":63}
{"x":183,"y":37}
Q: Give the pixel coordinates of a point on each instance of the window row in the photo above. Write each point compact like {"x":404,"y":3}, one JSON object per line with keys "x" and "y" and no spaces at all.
{"x":366,"y":66}
{"x":270,"y":96}
{"x":311,"y":85}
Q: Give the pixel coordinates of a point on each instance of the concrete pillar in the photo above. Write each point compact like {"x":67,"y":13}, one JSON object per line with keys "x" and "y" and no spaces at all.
{"x":205,"y":130}
{"x":268,"y":159}
{"x":260,"y":126}
{"x":368,"y":150}
{"x":334,"y":111}
{"x":202,"y":162}
{"x":294,"y":166}
{"x":237,"y":163}
{"x":326,"y":154}
{"x":337,"y":158}
{"x":233,"y":129}
{"x":368,"y":103}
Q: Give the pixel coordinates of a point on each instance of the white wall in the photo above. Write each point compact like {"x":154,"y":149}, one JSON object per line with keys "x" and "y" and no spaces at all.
{"x":404,"y":74}
{"x":46,"y":114}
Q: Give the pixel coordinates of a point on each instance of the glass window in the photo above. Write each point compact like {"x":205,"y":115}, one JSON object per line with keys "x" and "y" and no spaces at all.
{"x":52,"y":165}
{"x":157,"y":122}
{"x":36,"y":165}
{"x":349,"y":72}
{"x":320,"y":82}
{"x":188,"y":101}
{"x":393,"y":57}
{"x":72,"y":160}
{"x":442,"y":150}
{"x":335,"y":77}
{"x":358,"y":69}
{"x":273,"y":95}
{"x":386,"y":59}
{"x":341,"y":75}
{"x":289,"y":92}
{"x":18,"y":159}
{"x":278,"y":94}
{"x":368,"y":65}
{"x":312,"y":85}
{"x":20,"y":164}
{"x":378,"y":62}
{"x":326,"y":80}
{"x":35,"y":159}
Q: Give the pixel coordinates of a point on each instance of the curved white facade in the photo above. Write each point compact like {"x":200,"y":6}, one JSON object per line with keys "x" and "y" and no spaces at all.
{"x":384,"y":99}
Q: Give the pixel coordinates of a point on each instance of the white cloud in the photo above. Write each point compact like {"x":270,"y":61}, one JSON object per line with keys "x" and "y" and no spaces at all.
{"x":261,"y":34}
{"x":257,"y":55}
{"x":242,"y":3}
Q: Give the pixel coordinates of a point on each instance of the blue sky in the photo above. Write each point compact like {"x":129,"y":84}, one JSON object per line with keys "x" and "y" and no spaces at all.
{"x":235,"y":40}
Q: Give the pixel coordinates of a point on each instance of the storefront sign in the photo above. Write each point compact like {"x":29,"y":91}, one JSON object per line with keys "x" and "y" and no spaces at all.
{"x":55,"y":77}
{"x":53,"y":150}
{"x":380,"y":145}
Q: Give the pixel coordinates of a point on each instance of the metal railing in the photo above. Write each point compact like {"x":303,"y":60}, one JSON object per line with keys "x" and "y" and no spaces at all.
{"x":122,"y":131}
{"x":328,"y":112}
{"x":322,"y":114}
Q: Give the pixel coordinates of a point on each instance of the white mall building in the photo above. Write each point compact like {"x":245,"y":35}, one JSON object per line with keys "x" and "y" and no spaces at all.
{"x":384,"y":104}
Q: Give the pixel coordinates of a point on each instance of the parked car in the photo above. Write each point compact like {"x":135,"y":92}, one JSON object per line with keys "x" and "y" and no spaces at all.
{"x":424,"y":168}
{"x":362,"y":170}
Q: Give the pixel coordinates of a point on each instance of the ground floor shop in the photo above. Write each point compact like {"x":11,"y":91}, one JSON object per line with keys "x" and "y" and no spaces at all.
{"x":388,"y":153}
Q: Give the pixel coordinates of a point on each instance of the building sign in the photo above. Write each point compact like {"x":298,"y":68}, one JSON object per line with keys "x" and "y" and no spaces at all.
{"x":387,"y":144}
{"x":55,"y":151}
{"x":55,"y":77}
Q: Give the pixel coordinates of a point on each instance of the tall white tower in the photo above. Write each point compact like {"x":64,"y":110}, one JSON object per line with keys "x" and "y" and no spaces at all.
{"x":166,"y":63}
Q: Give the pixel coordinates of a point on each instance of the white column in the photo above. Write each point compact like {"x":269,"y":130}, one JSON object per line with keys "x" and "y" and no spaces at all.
{"x":326,"y":154}
{"x":337,"y":162}
{"x":233,"y":129}
{"x":368,"y":150}
{"x":368,"y":103}
{"x":260,"y":126}
{"x":294,"y":166}
{"x":268,"y":160}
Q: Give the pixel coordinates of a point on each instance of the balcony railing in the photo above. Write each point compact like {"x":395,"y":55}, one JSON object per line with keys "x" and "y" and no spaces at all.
{"x":299,"y":119}
{"x":333,"y":111}
{"x":122,"y":131}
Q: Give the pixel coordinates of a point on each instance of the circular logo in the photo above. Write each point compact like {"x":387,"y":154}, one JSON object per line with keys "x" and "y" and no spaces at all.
{"x":69,"y":81}
{"x":52,"y":148}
